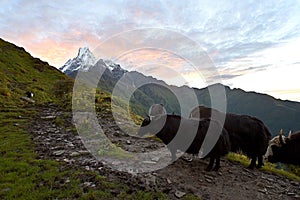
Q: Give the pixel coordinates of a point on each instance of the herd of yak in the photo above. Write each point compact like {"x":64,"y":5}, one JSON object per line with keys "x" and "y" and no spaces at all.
{"x":239,"y":133}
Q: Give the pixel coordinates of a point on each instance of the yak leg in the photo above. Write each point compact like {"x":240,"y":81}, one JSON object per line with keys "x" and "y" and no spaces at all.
{"x":217,"y":166}
{"x":210,"y":165}
{"x":260,"y":161}
{"x":253,"y":162}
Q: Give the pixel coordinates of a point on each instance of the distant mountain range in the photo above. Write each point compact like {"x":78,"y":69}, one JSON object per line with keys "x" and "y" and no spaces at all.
{"x":275,"y":113}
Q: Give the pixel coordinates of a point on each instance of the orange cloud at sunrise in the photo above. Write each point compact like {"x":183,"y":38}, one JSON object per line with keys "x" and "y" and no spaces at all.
{"x":252,"y":40}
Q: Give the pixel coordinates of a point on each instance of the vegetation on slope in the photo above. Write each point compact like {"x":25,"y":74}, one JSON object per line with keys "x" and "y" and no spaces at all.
{"x":20,"y":72}
{"x":290,"y":171}
{"x":22,"y":174}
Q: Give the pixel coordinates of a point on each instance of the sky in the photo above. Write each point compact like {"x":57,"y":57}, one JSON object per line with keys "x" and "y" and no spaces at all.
{"x":252,"y":45}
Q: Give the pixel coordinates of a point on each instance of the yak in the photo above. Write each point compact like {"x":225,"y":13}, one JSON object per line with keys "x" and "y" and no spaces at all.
{"x":187,"y":135}
{"x":284,"y":149}
{"x":246,"y":133}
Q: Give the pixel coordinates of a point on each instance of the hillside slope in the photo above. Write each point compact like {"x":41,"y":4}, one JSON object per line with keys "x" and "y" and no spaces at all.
{"x":275,"y":113}
{"x":42,"y":156}
{"x":24,"y":172}
{"x":20,"y":72}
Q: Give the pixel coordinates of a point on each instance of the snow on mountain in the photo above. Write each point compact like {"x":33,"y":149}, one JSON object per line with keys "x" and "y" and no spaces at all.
{"x":116,"y":69}
{"x":84,"y":60}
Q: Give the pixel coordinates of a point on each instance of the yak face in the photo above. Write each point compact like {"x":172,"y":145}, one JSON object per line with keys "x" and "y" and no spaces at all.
{"x":277,"y":155}
{"x":276,"y":148}
{"x":152,"y":125}
{"x":275,"y":142}
{"x":157,"y":109}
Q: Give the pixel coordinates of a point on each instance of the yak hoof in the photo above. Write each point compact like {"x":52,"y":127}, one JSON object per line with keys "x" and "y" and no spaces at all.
{"x":259,"y":166}
{"x":216,"y":168}
{"x":208,"y":168}
{"x":251,"y":166}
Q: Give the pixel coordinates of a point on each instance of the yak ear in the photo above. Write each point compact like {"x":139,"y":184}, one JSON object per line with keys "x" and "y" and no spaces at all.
{"x":290,"y":134}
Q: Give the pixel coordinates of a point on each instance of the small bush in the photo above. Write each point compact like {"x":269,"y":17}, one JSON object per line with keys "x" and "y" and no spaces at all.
{"x":5,"y":92}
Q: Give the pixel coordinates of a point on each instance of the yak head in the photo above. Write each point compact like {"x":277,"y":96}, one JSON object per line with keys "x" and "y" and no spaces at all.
{"x":157,"y":109}
{"x":274,"y":151}
{"x":152,"y":125}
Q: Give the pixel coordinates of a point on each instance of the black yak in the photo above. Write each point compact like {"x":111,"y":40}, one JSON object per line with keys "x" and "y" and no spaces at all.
{"x":187,"y":135}
{"x":246,"y":133}
{"x":284,"y":149}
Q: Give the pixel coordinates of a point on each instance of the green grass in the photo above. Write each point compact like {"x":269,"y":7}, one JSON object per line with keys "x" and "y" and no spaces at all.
{"x":24,"y":176}
{"x":20,"y":72}
{"x":292,"y":172}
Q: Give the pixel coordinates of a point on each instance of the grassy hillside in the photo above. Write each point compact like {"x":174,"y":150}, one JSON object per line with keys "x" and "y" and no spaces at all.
{"x":290,"y":171}
{"x":141,"y":100}
{"x":22,"y":174}
{"x":20,"y":72}
{"x":276,"y":114}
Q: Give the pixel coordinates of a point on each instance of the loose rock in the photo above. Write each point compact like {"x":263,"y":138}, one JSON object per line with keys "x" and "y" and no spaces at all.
{"x":179,"y":194}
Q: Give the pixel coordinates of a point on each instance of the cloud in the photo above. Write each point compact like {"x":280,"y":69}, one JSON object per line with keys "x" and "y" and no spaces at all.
{"x":233,"y":29}
{"x":241,"y":37}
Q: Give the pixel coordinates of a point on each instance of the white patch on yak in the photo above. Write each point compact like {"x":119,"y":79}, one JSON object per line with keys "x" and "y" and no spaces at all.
{"x":274,"y":142}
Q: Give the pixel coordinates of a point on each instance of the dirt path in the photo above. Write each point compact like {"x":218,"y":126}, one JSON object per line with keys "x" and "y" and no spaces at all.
{"x":56,"y":138}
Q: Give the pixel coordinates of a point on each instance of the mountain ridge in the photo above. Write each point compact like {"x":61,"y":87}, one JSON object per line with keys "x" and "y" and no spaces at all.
{"x":42,"y":156}
{"x":276,"y":113}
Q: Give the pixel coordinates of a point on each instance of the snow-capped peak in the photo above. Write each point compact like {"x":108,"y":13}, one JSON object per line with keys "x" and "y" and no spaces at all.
{"x":84,"y":60}
{"x":113,"y":66}
{"x":83,"y":50}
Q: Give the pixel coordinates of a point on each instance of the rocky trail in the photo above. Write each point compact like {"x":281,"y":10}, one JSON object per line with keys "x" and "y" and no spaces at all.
{"x":56,"y":138}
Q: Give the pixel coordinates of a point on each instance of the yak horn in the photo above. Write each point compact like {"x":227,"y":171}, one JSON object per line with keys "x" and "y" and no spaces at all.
{"x":290,"y":134}
{"x":280,"y":132}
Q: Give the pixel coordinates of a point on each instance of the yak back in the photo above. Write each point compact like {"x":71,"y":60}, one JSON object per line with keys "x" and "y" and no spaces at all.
{"x":293,"y":144}
{"x":293,"y":148}
{"x":295,"y":137}
{"x":176,"y":125}
{"x":246,"y":133}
